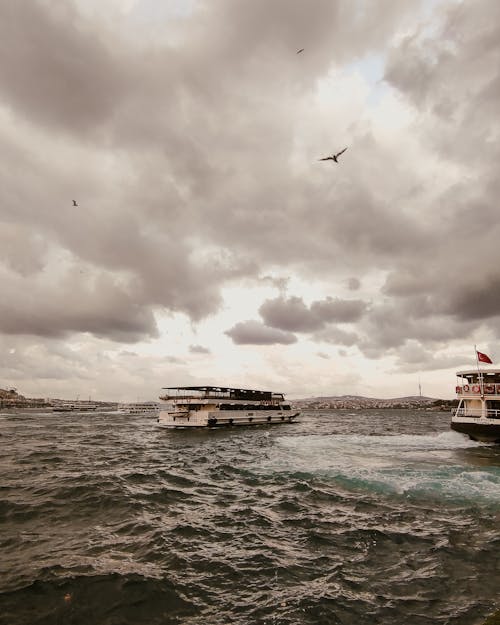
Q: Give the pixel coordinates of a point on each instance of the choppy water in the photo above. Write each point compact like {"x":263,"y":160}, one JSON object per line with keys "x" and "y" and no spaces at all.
{"x":364,"y":517}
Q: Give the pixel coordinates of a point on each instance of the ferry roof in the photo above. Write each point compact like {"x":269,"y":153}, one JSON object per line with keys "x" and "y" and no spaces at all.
{"x":475,"y":372}
{"x":223,"y":389}
{"x":234,"y":393}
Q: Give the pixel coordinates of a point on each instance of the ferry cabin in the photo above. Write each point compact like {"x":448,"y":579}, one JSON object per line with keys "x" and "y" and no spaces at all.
{"x":478,"y":393}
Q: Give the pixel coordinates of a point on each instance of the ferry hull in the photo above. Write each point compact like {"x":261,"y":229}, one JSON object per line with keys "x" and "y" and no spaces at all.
{"x":485,"y":433}
{"x":174,"y":420}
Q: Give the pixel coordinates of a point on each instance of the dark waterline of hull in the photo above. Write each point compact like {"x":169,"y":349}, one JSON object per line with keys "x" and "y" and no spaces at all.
{"x":479,"y":432}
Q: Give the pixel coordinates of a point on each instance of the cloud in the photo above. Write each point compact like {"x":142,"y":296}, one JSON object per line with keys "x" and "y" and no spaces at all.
{"x":413,"y":358}
{"x":102,"y":307}
{"x":61,"y":73}
{"x":166,"y":186}
{"x":199,"y":349}
{"x":429,"y":67}
{"x":191,"y":145}
{"x":292,"y":314}
{"x":353,"y":284}
{"x":337,"y":336}
{"x":478,"y":298}
{"x":256,"y":333}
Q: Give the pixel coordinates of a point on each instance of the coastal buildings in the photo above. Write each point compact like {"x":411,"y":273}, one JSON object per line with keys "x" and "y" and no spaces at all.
{"x":355,"y":402}
{"x":10,"y":398}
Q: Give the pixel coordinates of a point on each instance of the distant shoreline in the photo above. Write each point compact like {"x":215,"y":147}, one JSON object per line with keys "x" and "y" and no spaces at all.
{"x":366,"y":403}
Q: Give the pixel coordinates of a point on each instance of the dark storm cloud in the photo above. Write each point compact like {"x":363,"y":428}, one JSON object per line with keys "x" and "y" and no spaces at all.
{"x":414,"y":358}
{"x":432,"y":67}
{"x":353,"y":284}
{"x":114,"y":313}
{"x":199,"y":349}
{"x":479,"y":300}
{"x":180,"y":153}
{"x":55,"y":69}
{"x":256,"y":333}
{"x":292,"y":314}
{"x":391,"y":325}
{"x":467,"y":296}
{"x":450,"y":76}
{"x":337,"y":336}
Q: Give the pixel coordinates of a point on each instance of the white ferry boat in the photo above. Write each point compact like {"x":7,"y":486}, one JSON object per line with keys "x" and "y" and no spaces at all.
{"x":76,"y":407}
{"x":478,"y":411}
{"x":217,"y":406}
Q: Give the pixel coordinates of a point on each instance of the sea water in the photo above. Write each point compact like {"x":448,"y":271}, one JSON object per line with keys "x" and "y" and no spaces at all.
{"x":348,"y":517}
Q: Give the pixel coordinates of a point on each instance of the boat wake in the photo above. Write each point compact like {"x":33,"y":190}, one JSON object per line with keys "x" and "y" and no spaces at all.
{"x":445,"y":465}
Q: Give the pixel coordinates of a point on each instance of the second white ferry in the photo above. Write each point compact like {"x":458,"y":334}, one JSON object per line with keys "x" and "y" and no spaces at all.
{"x":216,"y":406}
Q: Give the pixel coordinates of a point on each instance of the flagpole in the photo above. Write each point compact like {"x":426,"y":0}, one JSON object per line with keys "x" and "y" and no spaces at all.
{"x":479,"y":374}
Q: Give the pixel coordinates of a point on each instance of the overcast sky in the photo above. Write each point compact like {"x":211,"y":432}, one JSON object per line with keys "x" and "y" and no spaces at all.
{"x":210,"y":245}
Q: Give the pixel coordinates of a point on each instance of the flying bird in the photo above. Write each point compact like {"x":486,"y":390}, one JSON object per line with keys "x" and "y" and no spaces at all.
{"x":333,"y":157}
{"x":74,"y":203}
{"x":301,"y":50}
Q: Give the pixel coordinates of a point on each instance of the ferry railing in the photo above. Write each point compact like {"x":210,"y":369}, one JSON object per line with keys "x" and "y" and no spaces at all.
{"x":477,"y":389}
{"x":220,"y":396}
{"x":490,"y":413}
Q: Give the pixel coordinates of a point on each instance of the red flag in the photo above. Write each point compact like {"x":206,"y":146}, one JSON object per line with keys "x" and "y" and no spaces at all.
{"x":483,"y":357}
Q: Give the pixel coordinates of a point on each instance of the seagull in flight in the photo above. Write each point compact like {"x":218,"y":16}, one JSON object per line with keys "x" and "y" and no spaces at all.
{"x":333,"y":157}
{"x":74,"y":203}
{"x":301,"y":50}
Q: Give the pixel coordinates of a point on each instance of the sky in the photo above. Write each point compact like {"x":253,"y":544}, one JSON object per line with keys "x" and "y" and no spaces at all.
{"x":209,"y":244}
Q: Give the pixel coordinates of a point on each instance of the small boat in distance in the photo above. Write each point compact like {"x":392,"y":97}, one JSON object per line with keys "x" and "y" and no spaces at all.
{"x":478,"y":410}
{"x":217,"y":406}
{"x":74,"y":407}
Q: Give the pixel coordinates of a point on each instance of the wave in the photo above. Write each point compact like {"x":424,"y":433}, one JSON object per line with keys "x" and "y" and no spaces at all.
{"x":104,"y":599}
{"x":445,"y":464}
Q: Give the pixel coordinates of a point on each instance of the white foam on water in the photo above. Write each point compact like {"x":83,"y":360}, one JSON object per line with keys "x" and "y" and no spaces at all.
{"x":403,"y":464}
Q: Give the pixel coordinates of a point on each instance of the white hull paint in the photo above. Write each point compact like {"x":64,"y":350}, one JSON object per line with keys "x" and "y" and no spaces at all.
{"x":226,"y":418}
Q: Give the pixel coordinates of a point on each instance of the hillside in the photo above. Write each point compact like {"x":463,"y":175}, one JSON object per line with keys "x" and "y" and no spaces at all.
{"x":357,"y":401}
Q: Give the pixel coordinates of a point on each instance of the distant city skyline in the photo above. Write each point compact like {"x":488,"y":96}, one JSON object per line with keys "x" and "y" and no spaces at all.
{"x":165,"y":219}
